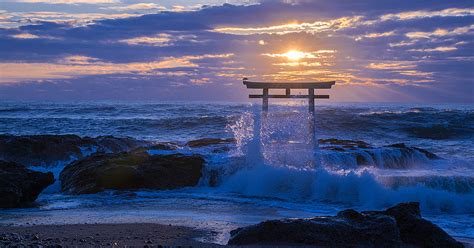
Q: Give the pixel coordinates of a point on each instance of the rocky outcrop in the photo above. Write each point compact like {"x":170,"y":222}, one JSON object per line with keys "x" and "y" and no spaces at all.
{"x":48,"y":150}
{"x":209,"y":142}
{"x":401,"y":225}
{"x":130,"y":171}
{"x":415,"y":230}
{"x":339,"y":143}
{"x":359,"y":153}
{"x":20,"y":186}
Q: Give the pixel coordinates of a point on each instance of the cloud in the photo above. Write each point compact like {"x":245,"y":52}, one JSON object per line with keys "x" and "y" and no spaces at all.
{"x":158,"y":40}
{"x":304,"y":63}
{"x":300,"y":55}
{"x":396,"y":65}
{"x":75,"y":66}
{"x":436,"y":49}
{"x":314,"y":27}
{"x":441,"y":32}
{"x":69,"y":1}
{"x":414,"y":44}
{"x":418,"y":14}
{"x":25,"y":36}
{"x":13,"y":19}
{"x":375,"y":35}
{"x":137,"y":6}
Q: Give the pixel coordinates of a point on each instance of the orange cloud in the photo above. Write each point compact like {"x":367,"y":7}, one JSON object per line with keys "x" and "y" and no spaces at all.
{"x":74,"y":66}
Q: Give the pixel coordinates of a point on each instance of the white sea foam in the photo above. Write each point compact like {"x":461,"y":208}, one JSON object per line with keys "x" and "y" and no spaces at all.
{"x":271,"y":177}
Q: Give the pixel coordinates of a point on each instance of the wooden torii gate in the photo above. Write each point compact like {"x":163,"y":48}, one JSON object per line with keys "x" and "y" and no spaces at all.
{"x":288,"y":86}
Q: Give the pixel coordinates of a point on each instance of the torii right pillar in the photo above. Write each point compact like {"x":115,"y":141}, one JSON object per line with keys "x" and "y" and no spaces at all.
{"x":288,"y":86}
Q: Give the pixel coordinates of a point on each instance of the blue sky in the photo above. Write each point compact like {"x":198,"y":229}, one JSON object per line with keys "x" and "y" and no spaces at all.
{"x":400,"y":51}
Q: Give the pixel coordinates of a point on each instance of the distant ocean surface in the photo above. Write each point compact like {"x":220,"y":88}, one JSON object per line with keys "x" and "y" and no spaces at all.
{"x":250,"y":195}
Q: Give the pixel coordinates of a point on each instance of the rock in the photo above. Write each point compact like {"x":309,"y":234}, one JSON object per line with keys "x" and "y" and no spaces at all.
{"x":130,"y":171}
{"x":209,"y":141}
{"x":428,"y":154}
{"x":404,"y":148}
{"x":349,"y":153}
{"x":417,"y":231}
{"x":398,"y":226}
{"x":344,"y":143}
{"x":48,"y":150}
{"x":348,"y":228}
{"x":20,"y":186}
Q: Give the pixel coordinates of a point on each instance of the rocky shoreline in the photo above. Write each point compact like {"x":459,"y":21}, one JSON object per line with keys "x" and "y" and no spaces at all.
{"x":96,"y":164}
{"x":398,"y":226}
{"x":92,"y":165}
{"x":101,"y":235}
{"x":19,"y":186}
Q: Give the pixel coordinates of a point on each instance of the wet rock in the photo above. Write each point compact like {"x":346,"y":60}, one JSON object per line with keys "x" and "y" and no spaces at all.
{"x":401,"y":225}
{"x":48,"y":150}
{"x":20,"y":186}
{"x":345,"y":143}
{"x":130,"y":171}
{"x":407,"y":149}
{"x":358,"y":153}
{"x":345,"y":229}
{"x":163,"y":146}
{"x":415,"y":230}
{"x":209,"y":141}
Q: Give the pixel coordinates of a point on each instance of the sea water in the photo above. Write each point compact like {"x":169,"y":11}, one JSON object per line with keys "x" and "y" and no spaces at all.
{"x":274,"y":170}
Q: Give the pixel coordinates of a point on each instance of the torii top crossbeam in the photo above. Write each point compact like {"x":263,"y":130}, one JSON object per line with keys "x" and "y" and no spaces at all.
{"x":311,"y":86}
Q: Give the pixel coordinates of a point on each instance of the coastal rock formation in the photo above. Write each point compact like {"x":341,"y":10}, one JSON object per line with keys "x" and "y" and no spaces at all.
{"x":208,"y":142}
{"x":360,"y":153}
{"x":130,"y":171}
{"x":401,"y":225}
{"x":20,"y":186}
{"x":48,"y":150}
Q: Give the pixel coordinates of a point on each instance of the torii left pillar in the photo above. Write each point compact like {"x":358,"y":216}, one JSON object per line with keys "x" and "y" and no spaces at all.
{"x":288,"y":86}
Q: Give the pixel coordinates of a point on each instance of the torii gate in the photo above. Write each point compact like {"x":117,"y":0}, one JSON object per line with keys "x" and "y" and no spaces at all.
{"x":288,"y":86}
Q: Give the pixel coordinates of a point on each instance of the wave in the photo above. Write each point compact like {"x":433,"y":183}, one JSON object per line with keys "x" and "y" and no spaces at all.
{"x":384,"y":157}
{"x":440,"y":131}
{"x":346,"y":174}
{"x":361,"y":189}
{"x":436,"y":125}
{"x":14,"y":109}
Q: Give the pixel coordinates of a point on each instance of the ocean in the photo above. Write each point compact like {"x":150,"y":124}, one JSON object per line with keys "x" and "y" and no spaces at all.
{"x":274,"y":173}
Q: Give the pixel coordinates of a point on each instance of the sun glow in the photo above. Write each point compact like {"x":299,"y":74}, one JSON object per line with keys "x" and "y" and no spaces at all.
{"x":294,"y":55}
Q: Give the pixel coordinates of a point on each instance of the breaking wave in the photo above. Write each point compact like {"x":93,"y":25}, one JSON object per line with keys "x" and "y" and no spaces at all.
{"x":362,"y":188}
{"x":386,"y":177}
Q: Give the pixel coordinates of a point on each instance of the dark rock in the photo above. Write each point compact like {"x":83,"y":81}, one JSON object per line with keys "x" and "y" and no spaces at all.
{"x":359,"y":153}
{"x":345,"y":143}
{"x":130,"y":171}
{"x":50,"y":149}
{"x":162,"y":146}
{"x":209,"y":141}
{"x":362,"y":160}
{"x":400,"y":225}
{"x":20,"y":186}
{"x":428,"y":154}
{"x":343,"y":230}
{"x":417,"y":231}
{"x":410,"y":150}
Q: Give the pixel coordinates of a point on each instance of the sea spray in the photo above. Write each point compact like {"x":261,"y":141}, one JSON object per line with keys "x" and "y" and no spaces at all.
{"x":274,"y":175}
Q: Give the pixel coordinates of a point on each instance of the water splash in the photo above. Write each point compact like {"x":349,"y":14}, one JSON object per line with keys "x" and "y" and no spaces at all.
{"x":280,"y":138}
{"x":282,"y":160}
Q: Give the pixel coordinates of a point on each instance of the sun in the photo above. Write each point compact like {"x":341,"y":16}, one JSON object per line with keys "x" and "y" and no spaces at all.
{"x":294,"y":55}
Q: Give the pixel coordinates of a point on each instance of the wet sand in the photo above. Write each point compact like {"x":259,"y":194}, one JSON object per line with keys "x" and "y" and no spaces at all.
{"x":102,"y":235}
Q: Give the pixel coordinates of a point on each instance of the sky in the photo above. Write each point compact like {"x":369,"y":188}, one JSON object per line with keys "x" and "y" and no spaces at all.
{"x":419,"y":51}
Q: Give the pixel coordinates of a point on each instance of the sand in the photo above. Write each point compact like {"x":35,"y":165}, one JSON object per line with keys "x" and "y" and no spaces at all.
{"x":102,"y":235}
